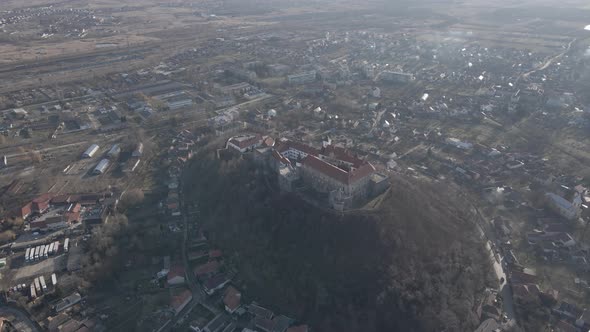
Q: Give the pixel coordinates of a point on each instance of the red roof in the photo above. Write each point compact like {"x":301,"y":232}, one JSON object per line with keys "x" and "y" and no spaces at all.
{"x":338,"y":173}
{"x":42,"y":199}
{"x":176,"y":271}
{"x":215,"y":253}
{"x":280,"y":158}
{"x":74,"y":208}
{"x":207,"y":268}
{"x":268,"y":141}
{"x":286,"y":145}
{"x":243,"y":142}
{"x":232,"y":298}
{"x":24,"y":211}
{"x":72,"y":216}
{"x":60,"y":199}
{"x":178,"y":301}
{"x":522,"y":278}
{"x":341,"y":153}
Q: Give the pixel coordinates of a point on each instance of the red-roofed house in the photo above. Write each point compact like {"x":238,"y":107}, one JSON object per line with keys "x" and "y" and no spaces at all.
{"x":61,"y":200}
{"x":245,"y":143}
{"x":268,"y":141}
{"x":215,"y":283}
{"x":207,"y":269}
{"x":232,"y":299}
{"x":176,"y":275}
{"x":278,"y":160}
{"x":215,"y":253}
{"x":179,"y":302}
{"x":24,"y":211}
{"x":41,"y":203}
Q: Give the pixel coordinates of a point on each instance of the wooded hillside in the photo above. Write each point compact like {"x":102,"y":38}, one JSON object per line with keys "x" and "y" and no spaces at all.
{"x":415,"y":264}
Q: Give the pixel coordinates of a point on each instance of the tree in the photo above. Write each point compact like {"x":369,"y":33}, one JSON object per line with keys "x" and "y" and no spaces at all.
{"x":35,"y":157}
{"x":131,"y":198}
{"x":7,"y":236}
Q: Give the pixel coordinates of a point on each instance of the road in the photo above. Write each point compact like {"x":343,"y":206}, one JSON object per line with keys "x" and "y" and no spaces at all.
{"x":549,"y":61}
{"x":199,"y":295}
{"x":505,"y":291}
{"x":497,"y":261}
{"x":25,"y":323}
{"x":47,"y":149}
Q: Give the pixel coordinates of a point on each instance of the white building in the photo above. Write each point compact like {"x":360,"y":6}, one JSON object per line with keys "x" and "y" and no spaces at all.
{"x":101,"y":167}
{"x":302,"y":78}
{"x":138,"y":152}
{"x":459,"y":144}
{"x":90,"y":151}
{"x":245,"y":143}
{"x":562,"y":206}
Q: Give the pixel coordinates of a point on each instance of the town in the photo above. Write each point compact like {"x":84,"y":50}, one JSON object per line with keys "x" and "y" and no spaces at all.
{"x":104,"y":108}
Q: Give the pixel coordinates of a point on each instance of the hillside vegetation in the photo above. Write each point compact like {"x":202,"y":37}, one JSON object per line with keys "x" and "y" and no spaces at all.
{"x":415,"y":264}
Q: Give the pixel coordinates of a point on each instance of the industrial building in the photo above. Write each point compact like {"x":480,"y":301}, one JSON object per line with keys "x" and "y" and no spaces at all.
{"x":114,"y":151}
{"x":302,"y":78}
{"x":396,"y":77}
{"x":101,"y":167}
{"x":91,"y":151}
{"x":138,"y":152}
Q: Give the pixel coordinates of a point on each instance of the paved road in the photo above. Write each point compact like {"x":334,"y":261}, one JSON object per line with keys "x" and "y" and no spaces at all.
{"x":505,"y":291}
{"x":23,"y":322}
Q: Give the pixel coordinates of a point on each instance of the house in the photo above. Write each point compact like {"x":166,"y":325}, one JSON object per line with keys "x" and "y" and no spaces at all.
{"x":517,"y":277}
{"x":54,"y":322}
{"x":176,"y":275}
{"x":41,"y":203}
{"x":179,"y":301}
{"x":562,"y":206}
{"x":215,"y":283}
{"x":259,"y":311}
{"x":525,"y":291}
{"x":488,"y":325}
{"x":215,"y":254}
{"x":206,"y":270}
{"x":560,"y":239}
{"x":276,"y":324}
{"x":299,"y":328}
{"x":232,"y":299}
{"x":217,"y":323}
{"x":67,"y":302}
{"x":24,"y":211}
{"x":489,"y":307}
{"x":568,"y":310}
{"x":583,"y":321}
{"x":245,"y":143}
{"x":50,"y":223}
{"x":231,"y":327}
{"x":563,"y":326}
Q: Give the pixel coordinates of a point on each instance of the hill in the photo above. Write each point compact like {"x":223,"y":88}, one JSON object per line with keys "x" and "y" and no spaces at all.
{"x":414,"y":264}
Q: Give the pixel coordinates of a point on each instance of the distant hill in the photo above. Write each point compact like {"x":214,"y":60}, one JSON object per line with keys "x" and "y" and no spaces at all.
{"x":414,"y":264}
